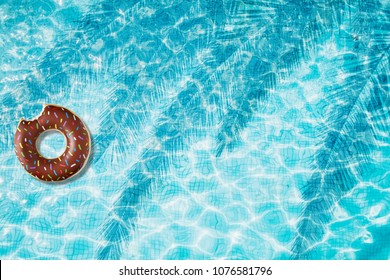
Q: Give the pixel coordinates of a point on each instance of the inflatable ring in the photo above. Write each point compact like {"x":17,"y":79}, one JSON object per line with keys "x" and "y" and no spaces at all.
{"x":75,"y":156}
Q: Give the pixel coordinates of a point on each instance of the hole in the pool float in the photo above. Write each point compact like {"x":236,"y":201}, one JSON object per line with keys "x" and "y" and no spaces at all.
{"x":51,"y":144}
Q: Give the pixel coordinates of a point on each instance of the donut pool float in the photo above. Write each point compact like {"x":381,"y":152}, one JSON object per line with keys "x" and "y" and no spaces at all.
{"x":73,"y":159}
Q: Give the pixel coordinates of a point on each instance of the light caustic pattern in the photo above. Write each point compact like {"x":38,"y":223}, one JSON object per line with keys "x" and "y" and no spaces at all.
{"x":220,"y":129}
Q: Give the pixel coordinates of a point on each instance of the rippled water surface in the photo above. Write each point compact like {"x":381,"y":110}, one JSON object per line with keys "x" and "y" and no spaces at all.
{"x":221,"y":129}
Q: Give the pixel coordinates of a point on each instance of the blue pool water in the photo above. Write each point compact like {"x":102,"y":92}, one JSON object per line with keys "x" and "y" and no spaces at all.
{"x":220,"y":129}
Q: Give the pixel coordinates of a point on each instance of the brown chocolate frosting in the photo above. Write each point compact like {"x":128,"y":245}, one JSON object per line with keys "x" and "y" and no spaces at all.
{"x":77,"y":150}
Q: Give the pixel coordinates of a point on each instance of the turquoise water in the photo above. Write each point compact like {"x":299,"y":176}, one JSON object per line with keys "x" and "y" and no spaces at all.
{"x":220,"y":129}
